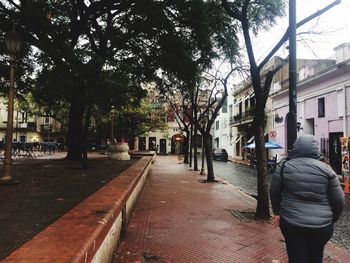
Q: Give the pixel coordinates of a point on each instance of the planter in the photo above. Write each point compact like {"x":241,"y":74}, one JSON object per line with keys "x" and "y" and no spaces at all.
{"x":119,"y":151}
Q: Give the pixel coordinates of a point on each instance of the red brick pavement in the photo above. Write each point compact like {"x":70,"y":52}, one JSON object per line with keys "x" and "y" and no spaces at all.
{"x":180,"y":219}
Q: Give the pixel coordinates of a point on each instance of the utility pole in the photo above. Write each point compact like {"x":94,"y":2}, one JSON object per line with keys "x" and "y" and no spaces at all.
{"x":292,"y":114}
{"x":13,"y":45}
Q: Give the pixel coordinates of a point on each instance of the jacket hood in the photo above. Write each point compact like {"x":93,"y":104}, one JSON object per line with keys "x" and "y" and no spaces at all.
{"x":305,"y":146}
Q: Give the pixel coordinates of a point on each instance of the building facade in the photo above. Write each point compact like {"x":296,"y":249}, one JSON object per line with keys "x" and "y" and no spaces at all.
{"x":244,"y":106}
{"x":167,"y":141}
{"x":30,"y":128}
{"x":323,"y":103}
{"x":221,"y":129}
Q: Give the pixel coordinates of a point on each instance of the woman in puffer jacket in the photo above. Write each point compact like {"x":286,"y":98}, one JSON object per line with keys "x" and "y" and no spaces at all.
{"x":306,"y":200}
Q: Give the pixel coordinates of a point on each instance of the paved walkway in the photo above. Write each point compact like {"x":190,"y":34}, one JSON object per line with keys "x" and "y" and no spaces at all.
{"x":181,"y":219}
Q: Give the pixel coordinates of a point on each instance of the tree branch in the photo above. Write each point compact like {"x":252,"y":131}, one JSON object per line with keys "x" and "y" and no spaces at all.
{"x":299,"y":24}
{"x":268,"y":81}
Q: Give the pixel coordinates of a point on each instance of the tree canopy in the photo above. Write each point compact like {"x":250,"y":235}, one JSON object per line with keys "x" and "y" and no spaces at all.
{"x":100,"y":52}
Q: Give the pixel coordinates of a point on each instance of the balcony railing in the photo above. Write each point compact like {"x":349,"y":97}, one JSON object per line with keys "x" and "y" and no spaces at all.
{"x":46,"y":129}
{"x":25,"y":126}
{"x":246,"y":115}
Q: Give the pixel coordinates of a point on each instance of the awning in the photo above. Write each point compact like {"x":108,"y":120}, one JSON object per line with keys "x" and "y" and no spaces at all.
{"x":239,"y":137}
{"x":246,"y":97}
{"x":268,"y":145}
{"x":238,"y":101}
{"x":251,"y":139}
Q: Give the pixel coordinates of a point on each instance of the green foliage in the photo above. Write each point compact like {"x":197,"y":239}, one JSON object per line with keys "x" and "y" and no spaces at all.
{"x":133,"y":122}
{"x":99,"y":53}
{"x":76,"y":39}
{"x":261,"y":14}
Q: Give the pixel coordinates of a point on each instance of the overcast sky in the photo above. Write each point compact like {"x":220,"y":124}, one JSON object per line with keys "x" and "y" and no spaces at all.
{"x":332,"y":28}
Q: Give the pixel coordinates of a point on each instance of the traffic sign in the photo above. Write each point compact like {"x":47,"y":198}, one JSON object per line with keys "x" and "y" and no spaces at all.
{"x":273,"y":134}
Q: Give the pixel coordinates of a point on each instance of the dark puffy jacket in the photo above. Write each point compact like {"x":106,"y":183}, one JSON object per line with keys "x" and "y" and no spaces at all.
{"x":309,"y":193}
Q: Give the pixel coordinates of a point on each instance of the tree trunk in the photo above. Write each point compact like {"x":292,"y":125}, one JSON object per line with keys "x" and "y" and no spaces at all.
{"x":191,"y":144}
{"x":262,"y":209}
{"x":75,"y":130}
{"x":186,"y":145}
{"x":195,"y":154}
{"x":203,"y":157}
{"x":210,"y":168}
{"x":84,"y":161}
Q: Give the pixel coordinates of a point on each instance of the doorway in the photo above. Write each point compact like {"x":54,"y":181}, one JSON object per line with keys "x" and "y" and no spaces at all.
{"x":335,"y":151}
{"x":152,"y":143}
{"x":162,"y":146}
{"x":142,"y":143}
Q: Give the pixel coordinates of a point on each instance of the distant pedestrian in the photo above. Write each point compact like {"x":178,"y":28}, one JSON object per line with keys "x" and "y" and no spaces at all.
{"x":307,"y":200}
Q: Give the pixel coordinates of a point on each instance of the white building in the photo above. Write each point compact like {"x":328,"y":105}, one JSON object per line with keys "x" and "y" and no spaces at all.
{"x":222,"y":137}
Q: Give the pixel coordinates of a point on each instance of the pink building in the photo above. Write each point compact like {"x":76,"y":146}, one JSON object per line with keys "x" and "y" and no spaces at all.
{"x":323,"y":96}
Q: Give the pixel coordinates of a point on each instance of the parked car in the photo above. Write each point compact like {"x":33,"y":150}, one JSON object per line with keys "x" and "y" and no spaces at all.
{"x":220,"y":154}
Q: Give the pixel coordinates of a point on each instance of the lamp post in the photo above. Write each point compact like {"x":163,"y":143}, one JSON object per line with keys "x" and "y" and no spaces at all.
{"x":112,"y":125}
{"x":13,"y":44}
{"x":292,"y":114}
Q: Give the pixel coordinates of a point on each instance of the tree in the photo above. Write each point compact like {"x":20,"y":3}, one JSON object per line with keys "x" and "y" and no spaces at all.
{"x":179,"y":106}
{"x":214,"y":39}
{"x":254,"y":16}
{"x":76,"y":40}
{"x":213,"y":95}
{"x":133,"y":122}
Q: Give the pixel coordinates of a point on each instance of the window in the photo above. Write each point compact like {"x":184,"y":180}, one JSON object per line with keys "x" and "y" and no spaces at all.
{"x":217,"y":125}
{"x":46,"y":120}
{"x":321,"y":107}
{"x":246,"y":104}
{"x":240,"y":108}
{"x":21,"y":116}
{"x":252,"y":102}
{"x":224,"y":124}
{"x":340,"y":103}
{"x":224,"y":107}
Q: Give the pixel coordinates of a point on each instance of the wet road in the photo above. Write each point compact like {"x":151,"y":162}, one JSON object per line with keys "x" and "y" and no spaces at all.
{"x":241,"y":176}
{"x":244,"y":178}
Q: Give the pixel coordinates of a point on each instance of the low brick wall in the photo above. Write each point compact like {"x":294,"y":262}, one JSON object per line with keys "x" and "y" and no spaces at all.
{"x":89,"y":232}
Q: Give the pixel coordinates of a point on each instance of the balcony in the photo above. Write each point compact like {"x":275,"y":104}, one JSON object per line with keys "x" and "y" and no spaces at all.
{"x":245,"y":116}
{"x":25,"y":126}
{"x":20,"y":126}
{"x":46,"y":129}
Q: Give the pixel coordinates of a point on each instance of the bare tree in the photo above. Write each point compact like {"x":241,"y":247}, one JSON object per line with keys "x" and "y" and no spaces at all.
{"x":213,"y":93}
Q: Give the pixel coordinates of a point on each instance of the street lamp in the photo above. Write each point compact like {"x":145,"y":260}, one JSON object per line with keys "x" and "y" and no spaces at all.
{"x":112,"y":124}
{"x":13,"y":44}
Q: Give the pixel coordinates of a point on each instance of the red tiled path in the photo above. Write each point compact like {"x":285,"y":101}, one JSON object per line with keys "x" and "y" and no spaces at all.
{"x":180,"y":219}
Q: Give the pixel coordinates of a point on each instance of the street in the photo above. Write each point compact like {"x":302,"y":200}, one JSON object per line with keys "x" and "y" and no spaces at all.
{"x":241,"y":176}
{"x":244,"y":178}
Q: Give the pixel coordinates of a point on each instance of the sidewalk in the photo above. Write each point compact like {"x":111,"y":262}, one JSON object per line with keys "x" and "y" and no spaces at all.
{"x":181,"y":219}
